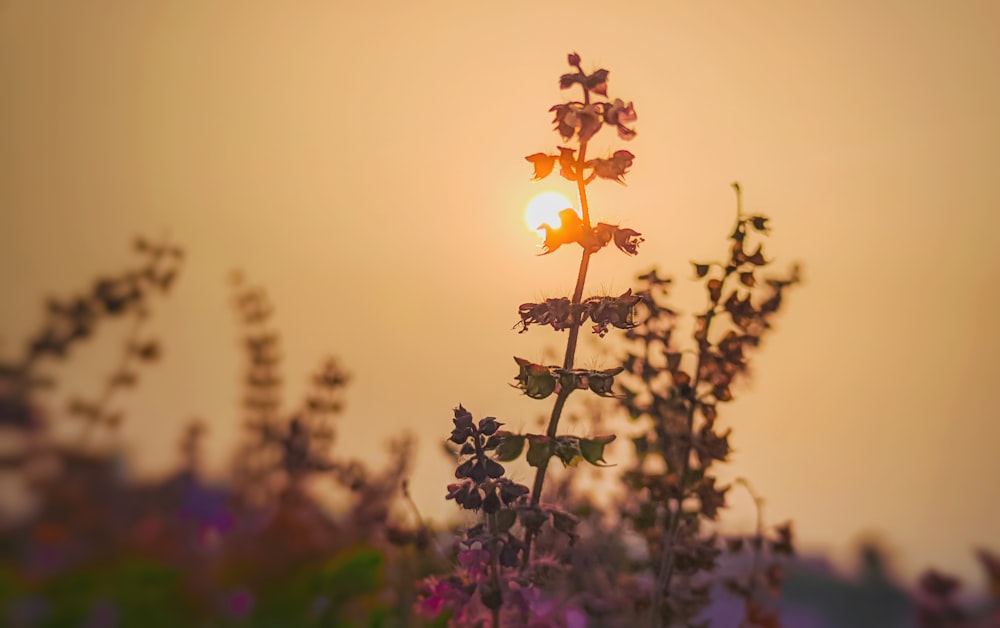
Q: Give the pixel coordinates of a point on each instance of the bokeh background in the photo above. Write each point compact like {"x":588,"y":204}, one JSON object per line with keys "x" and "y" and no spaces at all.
{"x":364,"y":162}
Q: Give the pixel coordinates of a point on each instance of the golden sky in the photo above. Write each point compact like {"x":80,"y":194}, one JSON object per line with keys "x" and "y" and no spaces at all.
{"x":364,"y":162}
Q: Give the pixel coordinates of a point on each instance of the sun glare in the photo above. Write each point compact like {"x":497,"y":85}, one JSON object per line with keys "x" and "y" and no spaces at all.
{"x":544,"y":210}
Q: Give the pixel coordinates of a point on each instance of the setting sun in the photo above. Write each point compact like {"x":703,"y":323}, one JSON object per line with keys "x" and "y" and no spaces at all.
{"x":544,"y":209}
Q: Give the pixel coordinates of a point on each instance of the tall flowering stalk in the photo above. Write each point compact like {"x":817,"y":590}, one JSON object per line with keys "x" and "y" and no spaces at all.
{"x":675,"y":391}
{"x":497,"y":580}
{"x":579,"y":121}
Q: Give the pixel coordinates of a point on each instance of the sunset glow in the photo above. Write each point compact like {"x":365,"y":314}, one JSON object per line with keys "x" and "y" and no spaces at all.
{"x":544,"y":209}
{"x":364,"y":165}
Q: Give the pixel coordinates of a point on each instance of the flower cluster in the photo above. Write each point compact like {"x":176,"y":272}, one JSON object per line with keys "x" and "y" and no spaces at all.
{"x":570,"y":167}
{"x":539,"y":381}
{"x":480,"y":484}
{"x":571,"y":229}
{"x":561,"y":313}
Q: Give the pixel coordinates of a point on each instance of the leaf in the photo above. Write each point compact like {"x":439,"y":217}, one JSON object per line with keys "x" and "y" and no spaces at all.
{"x":540,"y":449}
{"x":505,"y":520}
{"x":628,"y":240}
{"x":568,"y":80}
{"x":590,"y":123}
{"x":597,"y":82}
{"x":565,"y":120}
{"x":509,"y":447}
{"x":510,"y":492}
{"x":489,"y":425}
{"x":567,"y":163}
{"x":535,"y":380}
{"x":613,"y":168}
{"x":543,"y":165}
{"x":601,"y":382}
{"x":532,"y":517}
{"x":570,"y":230}
{"x":565,"y":522}
{"x":711,"y":498}
{"x":619,"y":114}
{"x":711,"y":446}
{"x":592,"y":449}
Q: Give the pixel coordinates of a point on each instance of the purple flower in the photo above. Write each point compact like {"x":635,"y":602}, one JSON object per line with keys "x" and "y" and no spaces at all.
{"x":238,"y":604}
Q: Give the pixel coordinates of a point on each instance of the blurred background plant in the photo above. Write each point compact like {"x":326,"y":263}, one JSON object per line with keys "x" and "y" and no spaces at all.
{"x":97,"y":548}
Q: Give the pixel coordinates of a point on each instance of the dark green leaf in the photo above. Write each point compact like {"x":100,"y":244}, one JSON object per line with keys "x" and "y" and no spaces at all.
{"x":592,"y":449}
{"x":505,"y":520}
{"x":540,"y":449}
{"x":509,"y":447}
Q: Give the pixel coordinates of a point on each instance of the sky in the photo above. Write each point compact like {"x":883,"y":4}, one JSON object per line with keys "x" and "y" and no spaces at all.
{"x":365,"y":163}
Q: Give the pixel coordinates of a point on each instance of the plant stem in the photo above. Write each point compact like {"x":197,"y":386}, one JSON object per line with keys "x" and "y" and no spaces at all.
{"x":571,"y":342}
{"x":667,"y":555}
{"x":111,"y":385}
{"x":758,"y":502}
{"x":491,"y":521}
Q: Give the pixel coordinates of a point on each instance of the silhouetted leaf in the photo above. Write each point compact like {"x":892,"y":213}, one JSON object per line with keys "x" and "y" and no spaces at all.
{"x":592,"y":449}
{"x":540,"y":449}
{"x":613,"y":168}
{"x":570,"y":230}
{"x":509,"y":446}
{"x":543,"y":165}
{"x":628,"y":240}
{"x":535,"y":380}
{"x":598,"y":82}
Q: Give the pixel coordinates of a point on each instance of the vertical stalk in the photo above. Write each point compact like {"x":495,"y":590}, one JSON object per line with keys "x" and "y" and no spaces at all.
{"x":667,"y":555}
{"x":491,"y":521}
{"x":574,"y":334}
{"x":111,"y":386}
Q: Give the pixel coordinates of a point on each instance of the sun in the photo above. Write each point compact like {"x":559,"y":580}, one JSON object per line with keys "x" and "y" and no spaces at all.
{"x":544,"y":210}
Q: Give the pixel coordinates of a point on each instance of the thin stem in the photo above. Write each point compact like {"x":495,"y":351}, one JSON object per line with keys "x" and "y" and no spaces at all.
{"x":668,"y":554}
{"x":112,"y":384}
{"x":571,"y":342}
{"x":758,"y":502}
{"x":491,"y":521}
{"x":420,"y":520}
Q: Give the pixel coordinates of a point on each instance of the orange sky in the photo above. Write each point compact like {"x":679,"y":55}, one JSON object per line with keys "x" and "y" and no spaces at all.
{"x":366,"y":165}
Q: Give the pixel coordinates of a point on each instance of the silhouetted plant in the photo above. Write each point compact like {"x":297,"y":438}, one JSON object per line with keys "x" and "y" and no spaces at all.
{"x":100,"y":547}
{"x":283,"y":451}
{"x":762,"y":585}
{"x":578,"y":120}
{"x":70,"y":321}
{"x":490,"y":553}
{"x":676,"y":391}
{"x":937,"y":598}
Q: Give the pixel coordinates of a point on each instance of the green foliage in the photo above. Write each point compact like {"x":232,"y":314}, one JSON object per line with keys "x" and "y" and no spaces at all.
{"x":136,"y":591}
{"x":325,"y":595}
